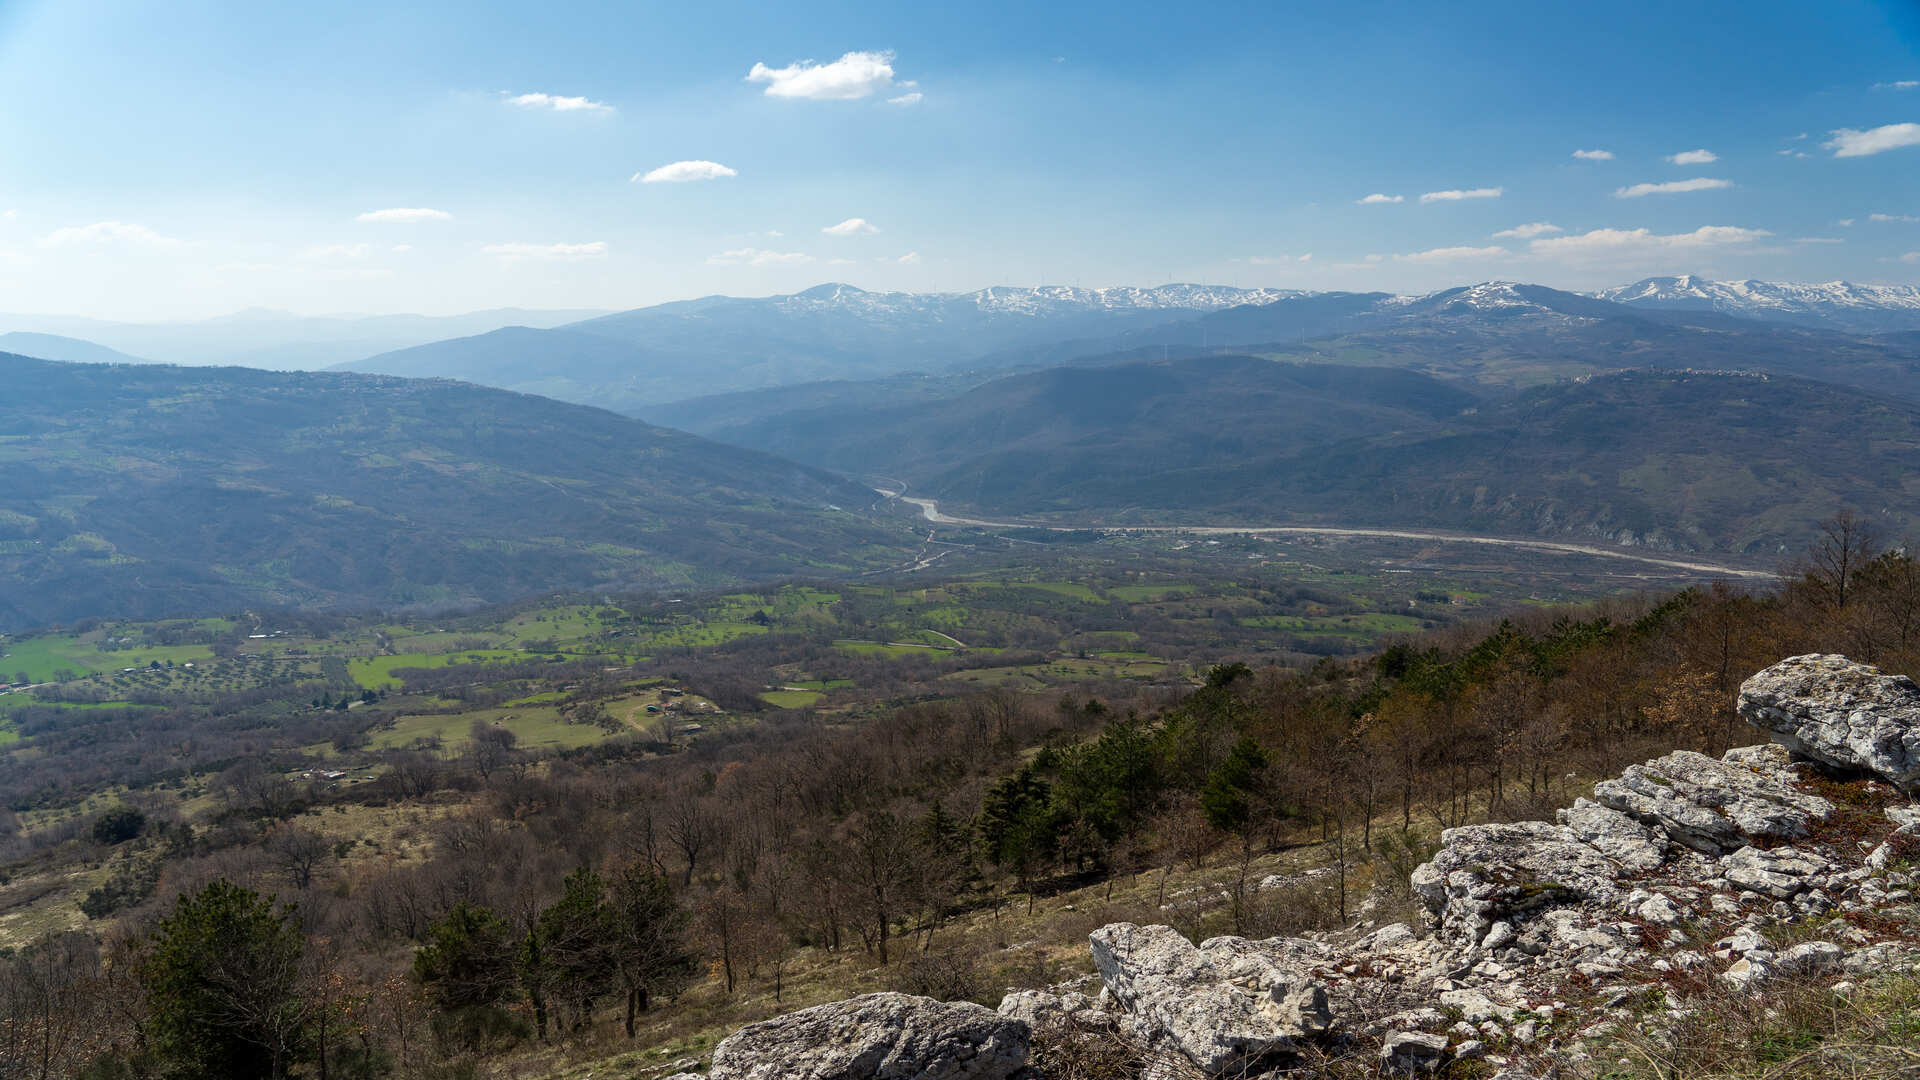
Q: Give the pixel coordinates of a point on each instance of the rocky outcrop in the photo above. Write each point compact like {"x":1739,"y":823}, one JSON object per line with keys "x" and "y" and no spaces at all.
{"x":1678,"y":873}
{"x":877,"y":1037}
{"x":1716,"y":806}
{"x":1845,"y":714}
{"x":1228,"y":1005}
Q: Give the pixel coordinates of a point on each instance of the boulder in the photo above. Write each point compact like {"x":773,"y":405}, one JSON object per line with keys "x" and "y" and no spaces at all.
{"x":877,"y":1037}
{"x":1716,"y":806}
{"x":1229,"y":1006}
{"x":1845,"y":714}
{"x":1634,"y":846}
{"x":1485,"y":874}
{"x":1413,"y":1051}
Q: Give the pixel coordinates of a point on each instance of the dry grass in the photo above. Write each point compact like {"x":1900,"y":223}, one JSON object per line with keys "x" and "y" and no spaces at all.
{"x":1793,"y":1030}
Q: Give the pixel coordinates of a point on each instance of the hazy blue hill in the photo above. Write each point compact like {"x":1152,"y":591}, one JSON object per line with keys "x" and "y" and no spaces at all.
{"x":1697,"y":461}
{"x":1071,"y":425}
{"x":56,"y":347}
{"x":148,"y":489}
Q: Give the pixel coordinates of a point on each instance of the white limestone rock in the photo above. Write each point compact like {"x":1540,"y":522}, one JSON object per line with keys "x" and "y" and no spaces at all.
{"x":1841,"y":712}
{"x":877,"y":1037}
{"x":1716,"y":806}
{"x":1228,"y":1005}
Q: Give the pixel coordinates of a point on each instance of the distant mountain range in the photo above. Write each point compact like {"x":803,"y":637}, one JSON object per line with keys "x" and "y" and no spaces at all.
{"x":153,"y":490}
{"x":640,"y":359}
{"x":275,"y":340}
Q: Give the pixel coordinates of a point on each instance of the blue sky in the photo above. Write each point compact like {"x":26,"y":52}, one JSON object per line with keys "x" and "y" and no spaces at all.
{"x":194,"y":158}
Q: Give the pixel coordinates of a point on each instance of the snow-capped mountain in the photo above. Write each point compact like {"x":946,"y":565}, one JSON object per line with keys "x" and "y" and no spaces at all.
{"x":1839,"y":305}
{"x":1040,"y":301}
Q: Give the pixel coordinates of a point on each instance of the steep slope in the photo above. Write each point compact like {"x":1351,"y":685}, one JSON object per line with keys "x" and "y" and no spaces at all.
{"x":1838,"y":305}
{"x":718,"y":344}
{"x":145,"y":490}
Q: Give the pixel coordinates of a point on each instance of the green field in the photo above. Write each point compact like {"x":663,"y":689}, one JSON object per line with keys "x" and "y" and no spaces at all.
{"x":43,"y":657}
{"x":538,"y":727}
{"x":1149,"y":594}
{"x":791,"y":699}
{"x":376,"y":672}
{"x":1363,"y":627}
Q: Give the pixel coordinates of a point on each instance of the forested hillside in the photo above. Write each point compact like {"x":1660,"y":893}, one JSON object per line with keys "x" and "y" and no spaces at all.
{"x":147,"y":490}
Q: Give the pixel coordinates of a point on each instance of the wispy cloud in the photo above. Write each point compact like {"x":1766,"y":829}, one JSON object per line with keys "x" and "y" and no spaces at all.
{"x":681,"y":172}
{"x":758,"y":257}
{"x":1818,"y":240}
{"x":1904,"y":219}
{"x":853,"y":226}
{"x":1792,"y":153}
{"x":1632,"y":241}
{"x":1527,"y":232}
{"x":855,"y":75}
{"x":1376,"y":199}
{"x":909,"y":259}
{"x":1902,"y":84}
{"x":1694,"y":157}
{"x":549,"y":252}
{"x":1594,"y":155}
{"x":108,"y":234}
{"x":1845,"y":223}
{"x":1847,"y":142}
{"x":1276,"y":260}
{"x":1671,"y":187}
{"x":337,"y":252}
{"x":557,"y":103}
{"x":1452,"y":254}
{"x":404,"y":215}
{"x":912,"y":98}
{"x":1469,"y":193}
{"x":1911,"y":256}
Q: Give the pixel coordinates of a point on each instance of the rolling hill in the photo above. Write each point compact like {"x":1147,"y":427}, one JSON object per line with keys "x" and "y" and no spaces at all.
{"x":147,"y":490}
{"x":1676,"y":459}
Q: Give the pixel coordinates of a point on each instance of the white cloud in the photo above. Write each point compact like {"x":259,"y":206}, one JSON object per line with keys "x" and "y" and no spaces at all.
{"x":1452,"y":254}
{"x":1470,"y":193}
{"x":1671,"y":187}
{"x":1911,"y":256}
{"x":1629,"y":241}
{"x":1527,"y":232}
{"x":1818,"y":240}
{"x":853,"y":226}
{"x":1694,"y":157}
{"x":558,"y":103}
{"x":681,"y":172}
{"x":1594,"y":155}
{"x":591,"y":250}
{"x":855,"y":75}
{"x":108,"y":233}
{"x":404,"y":215}
{"x":402,"y":249}
{"x":1847,"y":142}
{"x":909,"y":259}
{"x":1376,"y":198}
{"x":1904,"y":219}
{"x":1903,"y":84}
{"x":8,"y":215}
{"x":1845,"y":223}
{"x":906,"y":99}
{"x":757,"y":257}
{"x":830,"y":262}
{"x":330,"y":252}
{"x":1276,"y":260}
{"x":1792,"y":153}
